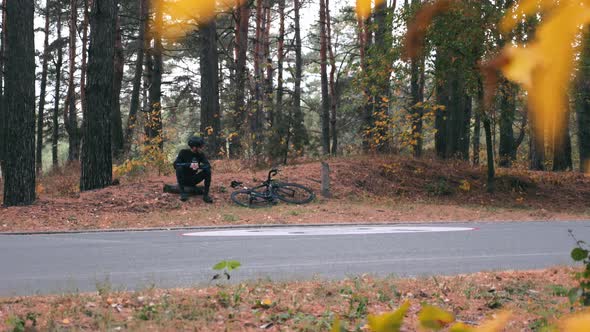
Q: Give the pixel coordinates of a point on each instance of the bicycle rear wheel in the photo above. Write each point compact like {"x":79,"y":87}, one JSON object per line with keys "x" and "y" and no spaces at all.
{"x":250,"y":199}
{"x":293,"y":193}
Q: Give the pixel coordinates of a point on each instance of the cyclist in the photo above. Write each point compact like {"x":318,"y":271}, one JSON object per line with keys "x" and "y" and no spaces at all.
{"x":198,"y":168}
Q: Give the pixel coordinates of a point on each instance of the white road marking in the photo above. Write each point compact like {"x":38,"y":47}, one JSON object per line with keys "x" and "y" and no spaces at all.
{"x":340,"y":230}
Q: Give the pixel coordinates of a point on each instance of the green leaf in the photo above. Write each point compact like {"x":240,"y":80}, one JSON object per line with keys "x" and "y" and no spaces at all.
{"x":232,"y":265}
{"x":220,"y":266}
{"x":579,"y":254}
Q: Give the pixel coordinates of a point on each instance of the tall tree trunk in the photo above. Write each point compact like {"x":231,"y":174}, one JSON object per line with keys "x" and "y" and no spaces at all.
{"x":583,"y":106}
{"x":210,"y":110}
{"x":490,"y":153}
{"x":70,"y":114}
{"x":19,"y":167}
{"x":507,"y":115}
{"x":116,"y":121}
{"x":325,"y":113}
{"x":365,"y":35}
{"x":241,"y":48}
{"x":477,"y":133}
{"x":256,"y":118}
{"x":40,"y":115}
{"x":268,"y":84}
{"x":537,"y":145}
{"x":562,"y":146}
{"x":84,"y":64}
{"x":154,"y":123}
{"x":2,"y":106}
{"x":141,"y":48}
{"x":381,"y":65}
{"x":417,"y":80}
{"x":96,"y":148}
{"x":332,"y":82}
{"x":299,"y":131}
{"x":55,"y":120}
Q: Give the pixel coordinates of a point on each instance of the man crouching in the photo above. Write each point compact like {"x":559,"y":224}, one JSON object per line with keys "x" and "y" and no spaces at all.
{"x":192,"y":167}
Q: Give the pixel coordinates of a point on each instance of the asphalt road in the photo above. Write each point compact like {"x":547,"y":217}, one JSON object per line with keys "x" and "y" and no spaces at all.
{"x":56,"y":263}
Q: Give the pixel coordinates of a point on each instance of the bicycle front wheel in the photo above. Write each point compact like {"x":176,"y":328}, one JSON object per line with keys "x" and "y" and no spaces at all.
{"x":293,"y":193}
{"x":250,"y":199}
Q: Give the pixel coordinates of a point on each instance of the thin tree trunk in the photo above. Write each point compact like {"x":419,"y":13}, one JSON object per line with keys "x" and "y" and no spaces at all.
{"x":84,"y":65}
{"x":2,"y":106}
{"x":332,"y":82}
{"x":19,"y":163}
{"x":417,"y":89}
{"x":583,"y":106}
{"x":255,"y":119}
{"x":154,"y":125}
{"x":70,"y":116}
{"x":40,"y":115}
{"x":477,"y":134}
{"x":490,"y":152}
{"x":96,"y":149}
{"x":299,"y":131}
{"x":268,"y":84}
{"x":325,"y":114}
{"x":507,"y":114}
{"x":243,"y":15}
{"x":134,"y":106}
{"x":116,"y":121}
{"x":562,"y":146}
{"x":210,"y":110}
{"x":55,"y":120}
{"x":537,"y":145}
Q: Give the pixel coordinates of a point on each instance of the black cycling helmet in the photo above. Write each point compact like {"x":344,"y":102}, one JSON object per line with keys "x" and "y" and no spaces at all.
{"x":196,"y":141}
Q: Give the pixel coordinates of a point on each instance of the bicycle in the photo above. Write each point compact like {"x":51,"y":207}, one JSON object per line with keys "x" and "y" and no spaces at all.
{"x":270,"y":192}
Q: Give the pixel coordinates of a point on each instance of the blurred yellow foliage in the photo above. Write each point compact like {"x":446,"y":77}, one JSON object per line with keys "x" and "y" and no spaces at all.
{"x":183,"y":16}
{"x":435,"y":318}
{"x":390,"y":321}
{"x":545,"y":66}
{"x":363,"y":8}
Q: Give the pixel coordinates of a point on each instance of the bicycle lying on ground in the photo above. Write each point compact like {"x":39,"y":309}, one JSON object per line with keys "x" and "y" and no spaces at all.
{"x":270,"y":192}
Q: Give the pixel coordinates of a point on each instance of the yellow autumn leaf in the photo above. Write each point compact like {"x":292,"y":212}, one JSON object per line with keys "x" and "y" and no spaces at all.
{"x":390,"y":321}
{"x":576,"y":323}
{"x":432,"y":317}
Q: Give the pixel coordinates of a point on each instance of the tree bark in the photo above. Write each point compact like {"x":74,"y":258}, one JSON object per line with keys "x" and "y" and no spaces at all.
{"x":19,"y":167}
{"x":41,"y":113}
{"x":256,"y":121}
{"x":134,"y":105}
{"x":70,"y":116}
{"x":325,"y":113}
{"x":332,"y":82}
{"x":268,"y":82}
{"x":477,"y":133}
{"x":562,"y":146}
{"x":96,"y":147}
{"x":507,"y":115}
{"x":583,"y":106}
{"x":299,"y":131}
{"x":55,"y":119}
{"x":241,"y":48}
{"x":154,"y":123}
{"x":84,"y":64}
{"x":116,"y":121}
{"x":210,"y":110}
{"x":2,"y":106}
{"x":537,"y":145}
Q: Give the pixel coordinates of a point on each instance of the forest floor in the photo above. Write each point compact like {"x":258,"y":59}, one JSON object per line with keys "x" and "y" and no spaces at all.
{"x":535,"y":298}
{"x":364,"y":189}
